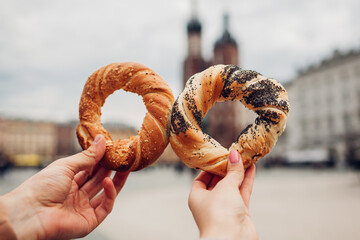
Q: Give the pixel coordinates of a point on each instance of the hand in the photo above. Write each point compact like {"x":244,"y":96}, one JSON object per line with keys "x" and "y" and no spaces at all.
{"x":62,"y":200}
{"x":221,"y":206}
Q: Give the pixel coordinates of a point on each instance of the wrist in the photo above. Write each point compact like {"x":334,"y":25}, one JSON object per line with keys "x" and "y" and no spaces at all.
{"x":6,"y":230}
{"x":230,"y":231}
{"x":21,"y":215}
{"x":219,"y":234}
{"x":220,"y":231}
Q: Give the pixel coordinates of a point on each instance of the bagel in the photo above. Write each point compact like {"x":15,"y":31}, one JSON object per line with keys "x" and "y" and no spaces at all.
{"x":264,"y":96}
{"x":136,"y":152}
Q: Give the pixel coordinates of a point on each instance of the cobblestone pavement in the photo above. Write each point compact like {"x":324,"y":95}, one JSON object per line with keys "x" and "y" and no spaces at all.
{"x":286,"y":204}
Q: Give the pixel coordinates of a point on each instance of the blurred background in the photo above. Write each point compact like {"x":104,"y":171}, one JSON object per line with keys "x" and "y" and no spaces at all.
{"x":308,"y":187}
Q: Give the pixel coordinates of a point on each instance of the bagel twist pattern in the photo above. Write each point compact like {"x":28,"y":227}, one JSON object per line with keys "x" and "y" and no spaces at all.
{"x":264,"y":96}
{"x":138,"y":151}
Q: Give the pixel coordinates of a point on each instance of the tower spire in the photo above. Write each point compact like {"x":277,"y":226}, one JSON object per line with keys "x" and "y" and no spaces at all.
{"x":194,"y":62}
{"x":226,"y":21}
{"x":194,"y":25}
{"x":226,"y":37}
{"x":194,"y":9}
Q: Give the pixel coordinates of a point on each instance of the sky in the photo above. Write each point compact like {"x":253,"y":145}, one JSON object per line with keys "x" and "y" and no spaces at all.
{"x":49,"y":48}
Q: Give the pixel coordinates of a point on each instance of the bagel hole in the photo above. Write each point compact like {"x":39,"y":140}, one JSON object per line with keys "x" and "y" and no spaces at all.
{"x":123,"y":114}
{"x":226,"y":120}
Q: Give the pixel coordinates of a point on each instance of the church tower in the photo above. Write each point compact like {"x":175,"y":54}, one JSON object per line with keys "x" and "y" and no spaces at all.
{"x":225,"y":120}
{"x":194,"y":61}
{"x":222,"y":118}
{"x":226,"y":49}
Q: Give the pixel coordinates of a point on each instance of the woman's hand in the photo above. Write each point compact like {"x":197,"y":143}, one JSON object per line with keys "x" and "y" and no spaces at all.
{"x":220,"y":206}
{"x":62,"y":201}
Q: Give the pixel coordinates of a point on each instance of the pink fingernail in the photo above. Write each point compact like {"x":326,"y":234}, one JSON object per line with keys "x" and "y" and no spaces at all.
{"x":234,"y":156}
{"x":97,"y":139}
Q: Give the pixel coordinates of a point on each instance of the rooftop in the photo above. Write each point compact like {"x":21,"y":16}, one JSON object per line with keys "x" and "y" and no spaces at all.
{"x":194,"y":25}
{"x":226,"y":37}
{"x":337,"y":57}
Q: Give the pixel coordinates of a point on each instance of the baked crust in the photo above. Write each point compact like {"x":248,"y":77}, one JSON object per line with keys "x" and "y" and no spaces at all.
{"x":265,"y":96}
{"x":136,"y":152}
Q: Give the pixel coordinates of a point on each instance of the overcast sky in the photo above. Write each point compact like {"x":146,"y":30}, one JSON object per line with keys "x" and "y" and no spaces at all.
{"x":49,"y":48}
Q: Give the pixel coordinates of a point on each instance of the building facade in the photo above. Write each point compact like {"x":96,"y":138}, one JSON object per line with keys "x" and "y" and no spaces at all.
{"x":28,"y":143}
{"x":37,"y":143}
{"x":324,"y":121}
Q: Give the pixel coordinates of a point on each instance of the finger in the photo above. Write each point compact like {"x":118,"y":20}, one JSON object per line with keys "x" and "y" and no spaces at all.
{"x":247,"y":184}
{"x":215,"y":179}
{"x":81,"y":177}
{"x":87,"y":158}
{"x":202,"y":180}
{"x":119,"y":180}
{"x":106,"y":200}
{"x":94,"y":169}
{"x":93,"y":185}
{"x":235,"y":170}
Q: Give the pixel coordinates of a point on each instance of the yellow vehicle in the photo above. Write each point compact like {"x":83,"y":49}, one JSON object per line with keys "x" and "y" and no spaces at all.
{"x":26,"y":160}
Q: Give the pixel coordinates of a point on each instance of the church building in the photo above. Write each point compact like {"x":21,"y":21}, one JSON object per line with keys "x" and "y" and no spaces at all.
{"x":225,"y":120}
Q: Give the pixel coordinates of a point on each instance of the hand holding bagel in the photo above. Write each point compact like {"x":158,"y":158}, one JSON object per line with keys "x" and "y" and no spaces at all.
{"x":67,"y":199}
{"x":68,"y":189}
{"x":220,"y":206}
{"x":265,"y":96}
{"x":136,"y":152}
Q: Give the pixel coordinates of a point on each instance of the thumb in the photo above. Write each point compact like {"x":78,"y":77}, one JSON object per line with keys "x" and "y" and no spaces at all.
{"x":87,"y":158}
{"x":235,"y":169}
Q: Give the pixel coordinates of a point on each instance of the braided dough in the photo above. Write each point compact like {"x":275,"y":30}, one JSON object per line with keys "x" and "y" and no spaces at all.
{"x":138,"y":151}
{"x":263,"y":95}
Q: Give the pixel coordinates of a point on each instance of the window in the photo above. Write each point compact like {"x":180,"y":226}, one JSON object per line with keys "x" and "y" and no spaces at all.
{"x":331,"y":124}
{"x":347,"y":122}
{"x":358,"y":117}
{"x":357,"y":71}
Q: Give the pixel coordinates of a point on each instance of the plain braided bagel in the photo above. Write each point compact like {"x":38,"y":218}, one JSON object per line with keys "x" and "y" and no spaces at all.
{"x":138,"y":151}
{"x":262,"y":95}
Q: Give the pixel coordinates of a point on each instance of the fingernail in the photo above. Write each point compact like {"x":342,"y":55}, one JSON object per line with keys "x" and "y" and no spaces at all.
{"x":97,"y":139}
{"x":234,"y":156}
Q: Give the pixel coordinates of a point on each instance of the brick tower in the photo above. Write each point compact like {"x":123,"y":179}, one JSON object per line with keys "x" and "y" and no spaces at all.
{"x":222,"y":118}
{"x":194,"y":61}
{"x":225,"y":120}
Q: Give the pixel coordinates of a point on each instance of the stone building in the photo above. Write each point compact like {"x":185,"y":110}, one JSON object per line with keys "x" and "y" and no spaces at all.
{"x":324,"y":121}
{"x":37,"y":143}
{"x":225,"y":120}
{"x":28,"y":143}
{"x":67,"y":143}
